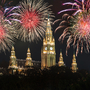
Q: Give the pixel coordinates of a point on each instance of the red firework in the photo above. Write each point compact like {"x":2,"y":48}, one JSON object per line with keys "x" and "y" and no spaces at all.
{"x":30,"y":19}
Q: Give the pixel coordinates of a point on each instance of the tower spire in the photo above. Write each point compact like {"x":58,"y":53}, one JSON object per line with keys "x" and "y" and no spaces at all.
{"x":48,"y":34}
{"x":12,"y":62}
{"x":61,"y":63}
{"x":13,"y":50}
{"x":74,"y":64}
{"x":28,"y":59}
{"x":48,"y":49}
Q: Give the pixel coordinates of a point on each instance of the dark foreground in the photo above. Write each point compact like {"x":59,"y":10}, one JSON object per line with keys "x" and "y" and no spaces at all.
{"x":57,"y":78}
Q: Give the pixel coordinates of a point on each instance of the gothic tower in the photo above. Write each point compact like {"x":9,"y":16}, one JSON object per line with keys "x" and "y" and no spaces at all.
{"x":48,"y":55}
{"x":74,"y":64}
{"x":61,"y":63}
{"x":28,"y":59}
{"x":12,"y":62}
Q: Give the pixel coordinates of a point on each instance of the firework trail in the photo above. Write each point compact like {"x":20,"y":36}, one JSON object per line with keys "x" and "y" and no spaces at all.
{"x":78,"y":29}
{"x":32,"y":19}
{"x":6,"y":28}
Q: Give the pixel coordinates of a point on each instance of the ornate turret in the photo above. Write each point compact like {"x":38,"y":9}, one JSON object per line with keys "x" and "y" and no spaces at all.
{"x":61,"y":63}
{"x":48,"y":55}
{"x":28,"y":59}
{"x":12,"y":62}
{"x":74,"y":64}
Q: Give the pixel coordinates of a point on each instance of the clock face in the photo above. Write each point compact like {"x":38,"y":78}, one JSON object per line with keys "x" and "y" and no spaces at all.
{"x":45,"y":48}
{"x":51,"y":48}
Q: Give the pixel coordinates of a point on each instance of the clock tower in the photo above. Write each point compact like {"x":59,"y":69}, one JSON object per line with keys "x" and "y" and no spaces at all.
{"x":48,"y":55}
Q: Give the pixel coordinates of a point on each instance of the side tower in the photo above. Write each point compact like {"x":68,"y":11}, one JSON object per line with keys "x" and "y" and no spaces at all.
{"x":28,"y":59}
{"x":60,"y":62}
{"x":48,"y":55}
{"x":74,"y":64}
{"x":12,"y":62}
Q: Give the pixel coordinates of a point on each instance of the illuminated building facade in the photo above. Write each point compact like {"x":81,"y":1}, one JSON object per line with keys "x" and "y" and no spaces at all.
{"x":20,"y":64}
{"x":48,"y":55}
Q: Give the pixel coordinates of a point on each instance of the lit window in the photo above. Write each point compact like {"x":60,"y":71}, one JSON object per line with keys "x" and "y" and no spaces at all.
{"x":51,"y":48}
{"x":45,"y":48}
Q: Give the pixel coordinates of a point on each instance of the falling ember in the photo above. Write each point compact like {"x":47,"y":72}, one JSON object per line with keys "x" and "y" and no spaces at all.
{"x":29,"y":19}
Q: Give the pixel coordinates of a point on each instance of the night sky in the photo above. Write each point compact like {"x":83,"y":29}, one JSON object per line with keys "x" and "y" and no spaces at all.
{"x":83,"y":60}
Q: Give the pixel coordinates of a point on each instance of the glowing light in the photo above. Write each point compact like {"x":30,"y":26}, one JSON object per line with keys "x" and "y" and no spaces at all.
{"x":51,"y":48}
{"x":45,"y":48}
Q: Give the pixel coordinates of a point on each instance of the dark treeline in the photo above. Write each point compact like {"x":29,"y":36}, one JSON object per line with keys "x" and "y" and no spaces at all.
{"x":56,"y":78}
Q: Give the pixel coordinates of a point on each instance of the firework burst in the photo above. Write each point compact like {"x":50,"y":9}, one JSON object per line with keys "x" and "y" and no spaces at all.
{"x":6,"y":28}
{"x":32,"y":19}
{"x":5,"y":38}
{"x":78,"y":29}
